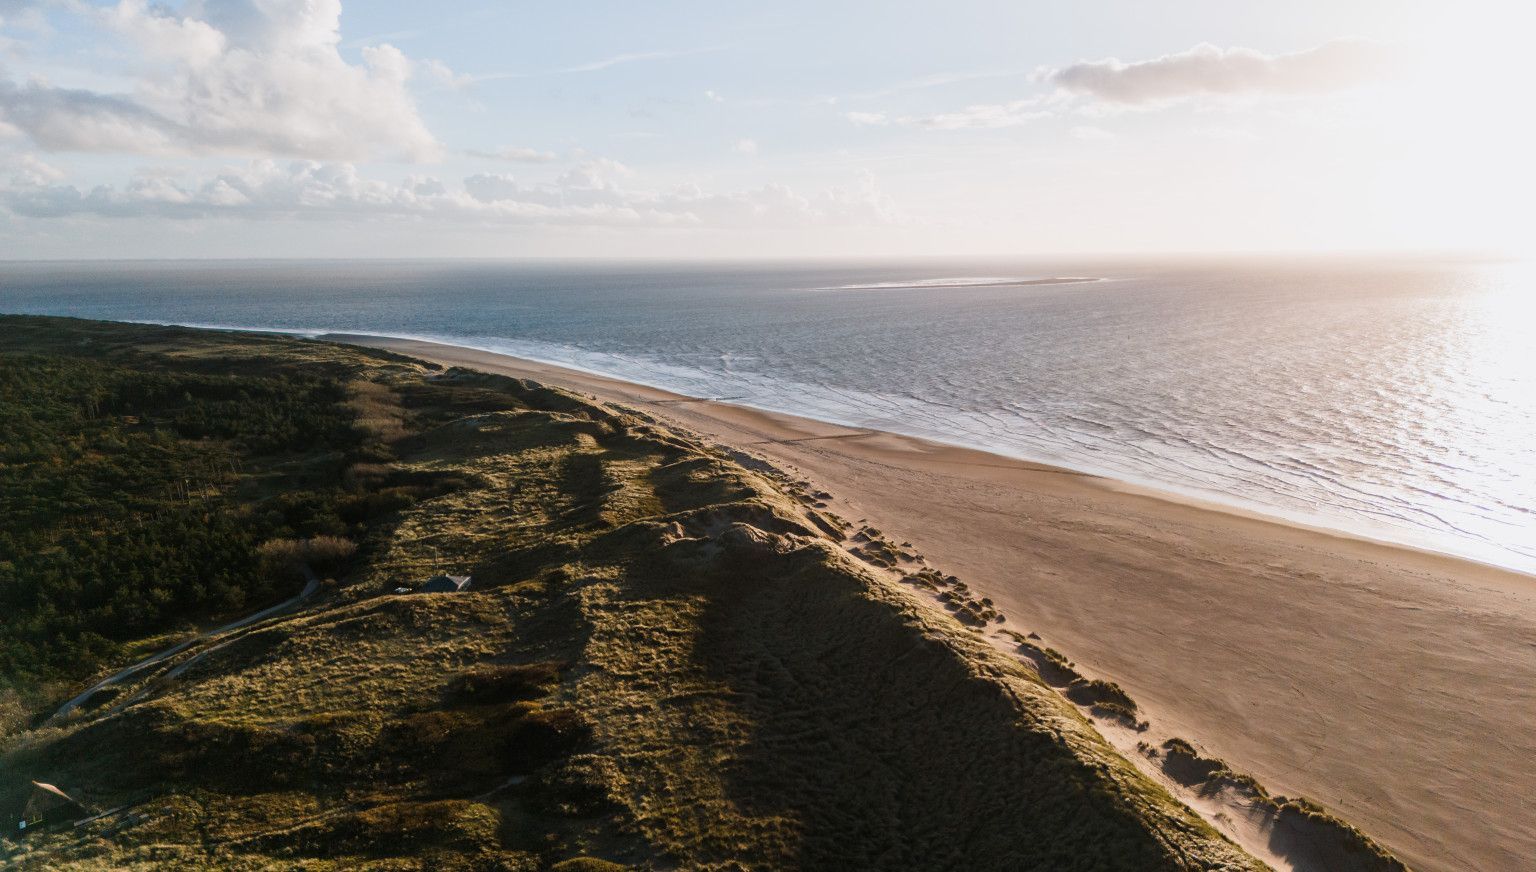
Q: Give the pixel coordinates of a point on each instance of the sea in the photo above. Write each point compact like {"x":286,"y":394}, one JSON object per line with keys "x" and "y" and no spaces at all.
{"x":1391,"y":398}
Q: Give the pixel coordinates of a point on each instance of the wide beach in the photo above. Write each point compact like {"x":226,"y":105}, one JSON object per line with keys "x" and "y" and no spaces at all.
{"x":1395,"y":686}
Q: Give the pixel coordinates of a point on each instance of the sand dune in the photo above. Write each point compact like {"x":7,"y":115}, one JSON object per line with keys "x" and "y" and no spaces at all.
{"x":1392,"y":685}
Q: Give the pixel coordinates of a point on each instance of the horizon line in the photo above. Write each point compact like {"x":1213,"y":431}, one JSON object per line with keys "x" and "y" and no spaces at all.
{"x":1341,"y":253}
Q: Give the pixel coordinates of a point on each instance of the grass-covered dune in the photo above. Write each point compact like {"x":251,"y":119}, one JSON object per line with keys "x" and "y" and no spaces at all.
{"x":666,"y":660}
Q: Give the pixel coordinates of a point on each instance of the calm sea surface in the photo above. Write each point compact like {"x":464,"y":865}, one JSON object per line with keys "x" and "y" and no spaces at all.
{"x":1395,"y":399}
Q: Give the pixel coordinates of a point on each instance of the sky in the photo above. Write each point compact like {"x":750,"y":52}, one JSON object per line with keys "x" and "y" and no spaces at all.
{"x":313,"y":128}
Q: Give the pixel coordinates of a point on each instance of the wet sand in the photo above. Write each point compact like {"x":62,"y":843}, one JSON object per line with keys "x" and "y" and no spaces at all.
{"x":1395,"y":686}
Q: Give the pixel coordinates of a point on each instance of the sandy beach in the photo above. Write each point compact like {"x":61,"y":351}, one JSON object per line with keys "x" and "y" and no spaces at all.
{"x":1395,"y":686}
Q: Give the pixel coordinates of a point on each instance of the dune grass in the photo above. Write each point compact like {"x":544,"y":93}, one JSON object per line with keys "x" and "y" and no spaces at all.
{"x":665,"y":662}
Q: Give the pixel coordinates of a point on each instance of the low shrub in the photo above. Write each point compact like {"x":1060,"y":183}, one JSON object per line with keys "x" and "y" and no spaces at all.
{"x":503,"y":682}
{"x":325,"y":554}
{"x":543,"y":737}
{"x":586,"y":864}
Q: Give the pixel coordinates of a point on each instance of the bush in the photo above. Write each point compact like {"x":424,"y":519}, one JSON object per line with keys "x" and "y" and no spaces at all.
{"x":325,"y":554}
{"x":586,"y":864}
{"x":504,"y":682}
{"x":545,"y":736}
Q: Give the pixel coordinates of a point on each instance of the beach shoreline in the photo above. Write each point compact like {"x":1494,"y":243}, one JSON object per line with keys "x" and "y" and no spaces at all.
{"x":1387,"y":682}
{"x":595,"y":382}
{"x":1496,"y":556}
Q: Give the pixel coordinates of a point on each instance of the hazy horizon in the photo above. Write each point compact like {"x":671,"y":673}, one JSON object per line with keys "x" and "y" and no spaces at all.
{"x":246,"y":129}
{"x":982,"y":353}
{"x":937,"y":259}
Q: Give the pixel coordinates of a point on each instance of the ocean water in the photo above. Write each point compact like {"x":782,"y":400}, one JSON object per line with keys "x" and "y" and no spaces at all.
{"x":1391,"y":398}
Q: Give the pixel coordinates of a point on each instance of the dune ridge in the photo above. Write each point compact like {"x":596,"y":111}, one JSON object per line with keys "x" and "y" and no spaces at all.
{"x":1294,"y":653}
{"x":669,"y":659}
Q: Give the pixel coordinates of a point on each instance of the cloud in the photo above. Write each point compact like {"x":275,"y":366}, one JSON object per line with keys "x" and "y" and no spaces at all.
{"x":512,"y":154}
{"x":1209,"y":71}
{"x":493,"y":187}
{"x":597,"y":173}
{"x":588,"y":195}
{"x":713,"y":97}
{"x":745,"y":146}
{"x":30,"y":170}
{"x":775,"y":205}
{"x":27,"y":14}
{"x":1205,"y":71}
{"x":440,"y":73}
{"x":62,"y":119}
{"x":255,"y":77}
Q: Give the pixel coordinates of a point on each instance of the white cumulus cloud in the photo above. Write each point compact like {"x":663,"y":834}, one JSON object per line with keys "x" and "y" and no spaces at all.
{"x":257,"y":77}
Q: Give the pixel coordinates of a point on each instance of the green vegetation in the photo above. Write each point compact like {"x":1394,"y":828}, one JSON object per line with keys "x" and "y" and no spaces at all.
{"x":139,"y":479}
{"x":1297,"y":826}
{"x":665,"y":661}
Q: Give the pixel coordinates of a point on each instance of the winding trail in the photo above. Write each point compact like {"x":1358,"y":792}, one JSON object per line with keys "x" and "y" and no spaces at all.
{"x":311,"y":584}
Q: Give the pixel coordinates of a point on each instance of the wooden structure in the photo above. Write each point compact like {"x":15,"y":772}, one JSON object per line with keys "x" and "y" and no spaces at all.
{"x":48,"y":806}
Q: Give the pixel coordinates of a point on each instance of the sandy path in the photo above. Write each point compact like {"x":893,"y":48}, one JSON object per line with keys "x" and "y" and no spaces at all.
{"x":1397,"y":687}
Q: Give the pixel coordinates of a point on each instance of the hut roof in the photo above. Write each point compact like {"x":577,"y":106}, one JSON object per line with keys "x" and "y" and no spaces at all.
{"x":47,"y":800}
{"x":49,"y":788}
{"x":439,"y":583}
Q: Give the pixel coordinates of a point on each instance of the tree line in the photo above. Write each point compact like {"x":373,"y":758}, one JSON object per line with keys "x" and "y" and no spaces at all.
{"x":135,"y":494}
